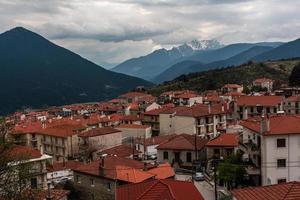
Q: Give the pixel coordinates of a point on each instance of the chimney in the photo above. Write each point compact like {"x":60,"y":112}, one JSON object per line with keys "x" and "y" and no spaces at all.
{"x":223,"y":109}
{"x":145,"y":166}
{"x":209,"y":108}
{"x":101,"y":165}
{"x":43,"y":125}
{"x":265,"y":123}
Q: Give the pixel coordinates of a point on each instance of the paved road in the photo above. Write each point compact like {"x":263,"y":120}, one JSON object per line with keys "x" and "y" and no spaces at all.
{"x":206,"y":190}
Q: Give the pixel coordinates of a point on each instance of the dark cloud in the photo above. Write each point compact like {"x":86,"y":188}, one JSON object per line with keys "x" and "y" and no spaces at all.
{"x":114,"y":30}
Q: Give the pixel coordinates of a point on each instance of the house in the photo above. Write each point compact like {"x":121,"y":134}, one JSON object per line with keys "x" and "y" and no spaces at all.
{"x":57,"y":138}
{"x":131,"y":97}
{"x":148,"y":146}
{"x":187,"y":98}
{"x":159,"y":189}
{"x":201,"y":119}
{"x":58,"y":172}
{"x":248,"y":106}
{"x":232,"y":88}
{"x":23,"y":155}
{"x":151,"y":118}
{"x":99,"y":139}
{"x":152,"y":106}
{"x":292,"y":105}
{"x":130,"y":131}
{"x":223,"y":145}
{"x":263,"y":83}
{"x":123,"y":150}
{"x":288,"y":191}
{"x":181,"y":150}
{"x":277,"y":143}
{"x":110,"y":171}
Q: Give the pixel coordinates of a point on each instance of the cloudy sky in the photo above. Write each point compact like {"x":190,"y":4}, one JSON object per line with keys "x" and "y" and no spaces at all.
{"x":111,"y":31}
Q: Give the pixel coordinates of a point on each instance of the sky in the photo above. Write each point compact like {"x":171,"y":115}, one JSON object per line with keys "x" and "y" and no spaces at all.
{"x":108,"y":32}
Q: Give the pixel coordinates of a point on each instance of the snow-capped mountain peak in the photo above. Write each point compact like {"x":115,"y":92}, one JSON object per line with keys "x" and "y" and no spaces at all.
{"x":205,"y":44}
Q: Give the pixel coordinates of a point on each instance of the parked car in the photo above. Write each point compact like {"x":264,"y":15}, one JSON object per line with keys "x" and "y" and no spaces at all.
{"x":198,"y":176}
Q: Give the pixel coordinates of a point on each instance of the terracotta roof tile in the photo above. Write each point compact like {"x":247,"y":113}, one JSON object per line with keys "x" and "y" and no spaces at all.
{"x":167,"y":189}
{"x":259,"y":100}
{"x":162,"y":171}
{"x":283,"y":191}
{"x":183,"y":142}
{"x":224,"y":140}
{"x":133,"y":126}
{"x":98,"y":131}
{"x":279,"y":125}
{"x":120,"y":151}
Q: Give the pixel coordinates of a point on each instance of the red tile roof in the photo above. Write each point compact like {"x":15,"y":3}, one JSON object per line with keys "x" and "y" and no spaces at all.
{"x":133,"y":126}
{"x":114,"y":168}
{"x":224,"y":140}
{"x":262,"y":80}
{"x":232,"y":86}
{"x":154,"y":140}
{"x":133,"y":94}
{"x":157,"y":111}
{"x":61,"y":130}
{"x":279,"y":125}
{"x":293,"y":98}
{"x":71,"y":164}
{"x":167,"y":189}
{"x":183,"y":142}
{"x":162,"y":171}
{"x":120,"y":151}
{"x":283,"y":191}
{"x":98,"y":131}
{"x":259,"y":100}
{"x":23,"y":152}
{"x":200,"y":110}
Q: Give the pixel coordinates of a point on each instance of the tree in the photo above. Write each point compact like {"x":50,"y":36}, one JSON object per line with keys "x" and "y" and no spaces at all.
{"x":294,"y":79}
{"x":232,"y":172}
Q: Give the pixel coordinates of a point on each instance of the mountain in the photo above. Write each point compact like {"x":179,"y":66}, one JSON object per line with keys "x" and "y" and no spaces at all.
{"x":232,"y":61}
{"x":288,"y":50}
{"x":36,"y":72}
{"x":243,"y":74}
{"x":151,"y":65}
{"x":235,"y":54}
{"x":175,"y":71}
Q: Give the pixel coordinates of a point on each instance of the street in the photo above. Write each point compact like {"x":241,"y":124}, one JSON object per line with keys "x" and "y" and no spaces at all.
{"x":206,"y":190}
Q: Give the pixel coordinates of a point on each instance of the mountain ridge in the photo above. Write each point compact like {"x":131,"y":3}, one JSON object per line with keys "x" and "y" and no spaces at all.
{"x":40,"y":73}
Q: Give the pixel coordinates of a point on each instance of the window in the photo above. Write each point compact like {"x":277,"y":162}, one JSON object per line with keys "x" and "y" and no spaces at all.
{"x":166,"y":155}
{"x":108,"y":186}
{"x":92,"y":182}
{"x":282,"y":180}
{"x":268,"y":110}
{"x":188,"y":157}
{"x":281,"y":163}
{"x":280,"y":142}
{"x":251,"y":109}
{"x":78,"y":179}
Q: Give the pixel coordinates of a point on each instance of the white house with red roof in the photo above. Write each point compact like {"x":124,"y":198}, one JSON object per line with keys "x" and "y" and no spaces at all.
{"x":249,"y":106}
{"x":130,"y":131}
{"x":292,"y":105}
{"x":277,"y":139}
{"x":201,"y":119}
{"x":264,"y":83}
{"x":232,"y":88}
{"x":287,"y":191}
{"x":223,"y":146}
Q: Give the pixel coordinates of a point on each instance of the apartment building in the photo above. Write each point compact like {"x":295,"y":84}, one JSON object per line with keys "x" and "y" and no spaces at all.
{"x":201,"y":119}
{"x":292,"y":105}
{"x":279,"y":147}
{"x":249,"y":106}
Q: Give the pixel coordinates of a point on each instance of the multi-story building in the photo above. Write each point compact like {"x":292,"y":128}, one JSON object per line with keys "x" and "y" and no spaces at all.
{"x":36,"y":160}
{"x":263,"y":83}
{"x":276,"y":140}
{"x":232,"y":88}
{"x":201,"y":119}
{"x":292,"y":105}
{"x":249,"y":106}
{"x":182,"y":150}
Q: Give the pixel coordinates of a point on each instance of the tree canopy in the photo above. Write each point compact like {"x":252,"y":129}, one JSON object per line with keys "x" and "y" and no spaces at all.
{"x":294,"y":79}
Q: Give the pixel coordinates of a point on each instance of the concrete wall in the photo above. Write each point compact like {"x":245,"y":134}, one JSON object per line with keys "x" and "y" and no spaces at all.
{"x":270,"y":153}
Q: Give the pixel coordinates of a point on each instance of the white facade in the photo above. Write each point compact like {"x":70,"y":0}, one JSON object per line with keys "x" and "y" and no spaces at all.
{"x":271,"y":153}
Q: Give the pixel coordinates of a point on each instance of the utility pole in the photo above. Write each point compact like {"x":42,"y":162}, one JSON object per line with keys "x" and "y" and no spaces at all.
{"x":215,"y":179}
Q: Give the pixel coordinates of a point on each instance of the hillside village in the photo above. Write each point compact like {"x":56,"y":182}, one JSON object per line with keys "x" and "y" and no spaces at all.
{"x":218,"y":144}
